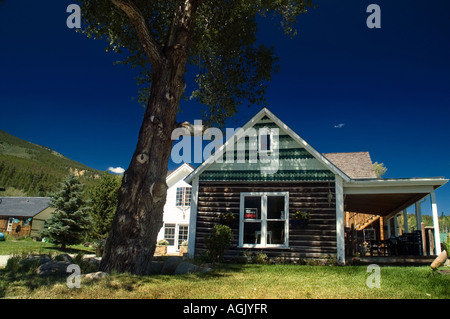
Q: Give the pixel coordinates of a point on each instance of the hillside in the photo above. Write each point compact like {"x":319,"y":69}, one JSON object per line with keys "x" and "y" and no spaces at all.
{"x":33,"y":170}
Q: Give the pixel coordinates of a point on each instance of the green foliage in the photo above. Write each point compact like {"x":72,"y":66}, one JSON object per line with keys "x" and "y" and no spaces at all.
{"x":218,"y":242}
{"x":27,"y":169}
{"x":229,"y":67}
{"x":103,"y":204}
{"x":70,"y":221}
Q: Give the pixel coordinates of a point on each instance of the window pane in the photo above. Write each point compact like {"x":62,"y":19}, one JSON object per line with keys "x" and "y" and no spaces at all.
{"x":252,"y":233}
{"x":275,"y":207}
{"x":275,"y":232}
{"x":182,"y":234}
{"x":169,"y":233}
{"x":264,"y":142}
{"x":179,"y":198}
{"x":187,"y":196}
{"x":252,"y":207}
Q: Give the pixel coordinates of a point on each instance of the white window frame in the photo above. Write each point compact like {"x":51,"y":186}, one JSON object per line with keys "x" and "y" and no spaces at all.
{"x":185,"y":198}
{"x":265,"y":131}
{"x":264,"y":220}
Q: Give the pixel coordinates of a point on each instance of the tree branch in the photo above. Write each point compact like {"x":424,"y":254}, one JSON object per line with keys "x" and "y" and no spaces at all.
{"x":152,"y":49}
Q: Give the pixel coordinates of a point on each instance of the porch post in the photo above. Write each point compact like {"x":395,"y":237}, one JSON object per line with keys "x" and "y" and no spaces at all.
{"x":193,"y":218}
{"x":395,"y":225}
{"x":437,"y":235}
{"x":388,"y":222}
{"x":418,"y":214}
{"x":340,"y":231}
{"x":405,"y":220}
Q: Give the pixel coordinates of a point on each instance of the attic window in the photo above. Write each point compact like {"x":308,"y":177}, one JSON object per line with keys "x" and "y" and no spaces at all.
{"x":265,"y":140}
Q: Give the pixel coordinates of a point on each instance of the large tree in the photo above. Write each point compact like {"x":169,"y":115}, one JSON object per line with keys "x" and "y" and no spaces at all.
{"x":217,"y":38}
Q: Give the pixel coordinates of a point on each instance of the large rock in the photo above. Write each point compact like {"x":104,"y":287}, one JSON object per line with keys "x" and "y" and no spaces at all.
{"x":156,"y":267}
{"x":170,"y":265}
{"x":185,"y":268}
{"x":53,"y":268}
{"x":95,"y":275}
{"x":34,"y":259}
{"x":63,"y":257}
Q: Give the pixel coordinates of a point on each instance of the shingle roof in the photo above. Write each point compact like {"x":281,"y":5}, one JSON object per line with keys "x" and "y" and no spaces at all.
{"x":23,"y":206}
{"x":354,"y":164}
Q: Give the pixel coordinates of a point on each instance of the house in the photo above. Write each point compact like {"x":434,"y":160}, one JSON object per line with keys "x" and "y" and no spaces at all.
{"x":177,"y":209}
{"x":24,"y":216}
{"x":289,"y":200}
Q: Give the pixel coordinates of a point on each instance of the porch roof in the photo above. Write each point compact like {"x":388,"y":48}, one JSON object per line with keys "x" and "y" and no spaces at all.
{"x":385,"y":197}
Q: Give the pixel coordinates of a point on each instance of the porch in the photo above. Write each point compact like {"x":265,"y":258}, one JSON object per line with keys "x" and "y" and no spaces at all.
{"x":375,"y":209}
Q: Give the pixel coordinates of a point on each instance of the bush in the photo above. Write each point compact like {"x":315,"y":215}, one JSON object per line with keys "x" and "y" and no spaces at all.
{"x":218,"y":242}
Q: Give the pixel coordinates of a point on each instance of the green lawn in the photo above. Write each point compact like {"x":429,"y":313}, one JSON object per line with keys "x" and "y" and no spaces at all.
{"x":231,"y":281}
{"x":27,"y":245}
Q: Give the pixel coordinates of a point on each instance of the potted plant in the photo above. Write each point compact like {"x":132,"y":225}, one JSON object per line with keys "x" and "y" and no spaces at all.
{"x":227,"y":219}
{"x":300,"y":219}
{"x":184,"y":247}
{"x":161,"y":247}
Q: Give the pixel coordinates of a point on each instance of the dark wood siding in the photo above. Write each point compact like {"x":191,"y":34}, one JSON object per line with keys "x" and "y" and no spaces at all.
{"x":316,"y":240}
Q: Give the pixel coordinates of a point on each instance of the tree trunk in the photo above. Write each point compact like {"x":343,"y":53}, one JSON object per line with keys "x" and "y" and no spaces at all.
{"x":132,"y":240}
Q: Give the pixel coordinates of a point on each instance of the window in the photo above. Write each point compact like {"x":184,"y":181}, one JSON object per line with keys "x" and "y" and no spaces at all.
{"x":182,"y":234}
{"x":265,"y":140}
{"x":264,"y":219}
{"x":10,"y":224}
{"x":183,"y":197}
{"x":169,"y":233}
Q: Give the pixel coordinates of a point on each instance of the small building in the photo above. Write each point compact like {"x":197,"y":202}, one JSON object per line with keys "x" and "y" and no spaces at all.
{"x":288,"y":200}
{"x":24,"y":216}
{"x":176,"y":216}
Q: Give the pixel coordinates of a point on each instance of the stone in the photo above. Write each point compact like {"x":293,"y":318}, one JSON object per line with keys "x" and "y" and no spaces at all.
{"x":33,"y":258}
{"x":185,"y":268}
{"x":53,"y":268}
{"x":63,"y":257}
{"x":156,"y":267}
{"x":170,"y":265}
{"x":95,"y":275}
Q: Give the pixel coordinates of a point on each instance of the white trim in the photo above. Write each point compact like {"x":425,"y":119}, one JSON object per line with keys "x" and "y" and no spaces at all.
{"x":239,"y":133}
{"x":386,"y":189}
{"x":263,"y":220}
{"x":340,"y":230}
{"x":437,"y":235}
{"x":405,"y":220}
{"x":179,"y":169}
{"x":193,"y":218}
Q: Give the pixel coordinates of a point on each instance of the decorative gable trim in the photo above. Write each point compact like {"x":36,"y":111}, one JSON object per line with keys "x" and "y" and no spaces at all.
{"x":265,"y":114}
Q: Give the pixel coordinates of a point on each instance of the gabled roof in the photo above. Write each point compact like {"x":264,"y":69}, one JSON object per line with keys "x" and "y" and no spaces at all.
{"x":23,"y":206}
{"x":354,"y":164}
{"x":265,"y":112}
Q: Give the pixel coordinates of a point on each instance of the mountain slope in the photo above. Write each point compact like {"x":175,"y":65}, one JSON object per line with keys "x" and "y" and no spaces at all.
{"x":36,"y":170}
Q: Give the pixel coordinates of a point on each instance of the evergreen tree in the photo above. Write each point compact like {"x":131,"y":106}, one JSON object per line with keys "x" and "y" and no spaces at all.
{"x":70,"y":221}
{"x":103,"y":204}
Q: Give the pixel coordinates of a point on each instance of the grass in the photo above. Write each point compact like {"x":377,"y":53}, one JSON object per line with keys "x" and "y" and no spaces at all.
{"x":27,"y":245}
{"x":231,"y":281}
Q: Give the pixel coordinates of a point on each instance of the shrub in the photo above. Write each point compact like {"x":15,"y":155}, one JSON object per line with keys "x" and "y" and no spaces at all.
{"x":218,"y":242}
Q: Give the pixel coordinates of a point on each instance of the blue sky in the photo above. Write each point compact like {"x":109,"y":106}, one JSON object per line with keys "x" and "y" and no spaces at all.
{"x":342,"y":86}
